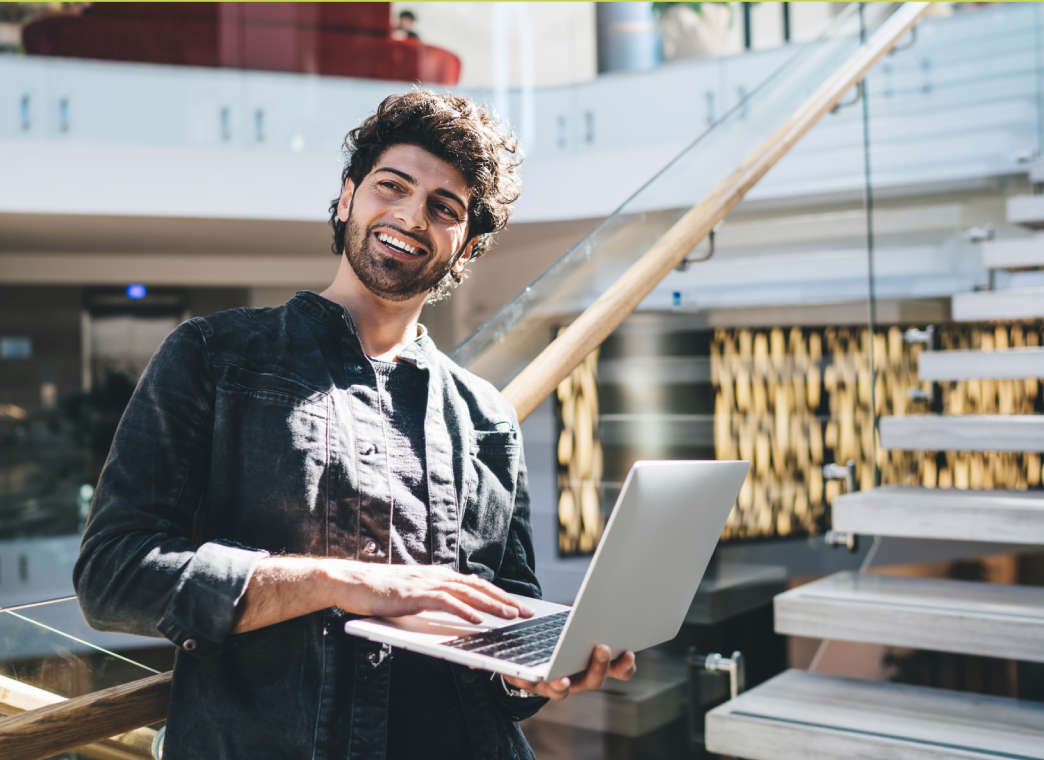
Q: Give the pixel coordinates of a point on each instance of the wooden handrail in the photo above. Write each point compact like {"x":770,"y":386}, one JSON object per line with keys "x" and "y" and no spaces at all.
{"x":86,"y":719}
{"x":18,"y":697}
{"x":94,"y":717}
{"x":541,"y":376}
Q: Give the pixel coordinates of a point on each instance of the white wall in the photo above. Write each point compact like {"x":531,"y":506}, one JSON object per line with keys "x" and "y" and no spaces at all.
{"x":557,"y":38}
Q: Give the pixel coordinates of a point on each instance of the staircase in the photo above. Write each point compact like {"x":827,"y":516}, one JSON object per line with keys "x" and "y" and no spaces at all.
{"x":1011,"y":255}
{"x":807,"y":715}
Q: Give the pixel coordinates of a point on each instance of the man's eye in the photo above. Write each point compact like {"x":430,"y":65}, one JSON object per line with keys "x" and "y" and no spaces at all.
{"x":388,"y":184}
{"x":446,"y":212}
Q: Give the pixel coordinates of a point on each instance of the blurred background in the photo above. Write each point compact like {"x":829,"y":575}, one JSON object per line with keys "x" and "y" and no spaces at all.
{"x":160,"y":161}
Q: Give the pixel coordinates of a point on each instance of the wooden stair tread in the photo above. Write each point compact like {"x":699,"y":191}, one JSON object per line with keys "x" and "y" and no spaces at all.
{"x":971,"y":432}
{"x":1014,"y":253}
{"x":806,"y":715}
{"x":990,"y":619}
{"x":942,"y":513}
{"x":1005,"y":304}
{"x":1027,"y":210}
{"x":1010,"y":364}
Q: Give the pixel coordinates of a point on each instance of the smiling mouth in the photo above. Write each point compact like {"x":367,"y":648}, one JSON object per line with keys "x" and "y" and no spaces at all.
{"x":399,"y":245}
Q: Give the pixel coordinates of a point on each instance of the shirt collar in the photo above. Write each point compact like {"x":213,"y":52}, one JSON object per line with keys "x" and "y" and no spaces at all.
{"x":420,"y":352}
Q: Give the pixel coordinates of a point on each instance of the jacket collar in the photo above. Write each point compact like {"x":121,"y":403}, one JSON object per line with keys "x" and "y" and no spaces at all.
{"x":420,"y":352}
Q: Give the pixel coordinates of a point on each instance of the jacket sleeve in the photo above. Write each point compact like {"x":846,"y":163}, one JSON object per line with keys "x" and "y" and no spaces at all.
{"x":140,"y":569}
{"x":517,"y":574}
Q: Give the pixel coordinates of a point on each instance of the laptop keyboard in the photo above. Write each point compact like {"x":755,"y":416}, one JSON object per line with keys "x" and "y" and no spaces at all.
{"x":530,"y":642}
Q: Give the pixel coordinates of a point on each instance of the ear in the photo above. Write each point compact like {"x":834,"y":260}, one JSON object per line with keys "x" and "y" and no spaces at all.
{"x":345,"y":200}
{"x":464,"y":257}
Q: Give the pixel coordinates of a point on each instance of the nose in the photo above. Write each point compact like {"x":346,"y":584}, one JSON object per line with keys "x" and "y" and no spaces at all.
{"x":411,"y":212}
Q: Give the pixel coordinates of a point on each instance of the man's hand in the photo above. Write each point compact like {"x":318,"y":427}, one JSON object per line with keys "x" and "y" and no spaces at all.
{"x":622,"y":668}
{"x":392,"y":590}
{"x":281,"y":588}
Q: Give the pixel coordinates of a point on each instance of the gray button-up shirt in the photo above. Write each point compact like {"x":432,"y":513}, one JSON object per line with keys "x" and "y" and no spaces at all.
{"x":254,"y":432}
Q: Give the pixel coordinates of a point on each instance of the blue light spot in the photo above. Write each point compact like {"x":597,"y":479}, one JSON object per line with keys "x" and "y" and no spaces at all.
{"x":676,"y":299}
{"x":136,"y":291}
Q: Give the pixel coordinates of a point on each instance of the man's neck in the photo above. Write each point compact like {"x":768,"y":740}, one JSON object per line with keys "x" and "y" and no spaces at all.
{"x":384,"y":327}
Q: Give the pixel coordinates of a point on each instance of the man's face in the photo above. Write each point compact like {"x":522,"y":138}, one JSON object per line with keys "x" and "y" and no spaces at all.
{"x":407,"y":223}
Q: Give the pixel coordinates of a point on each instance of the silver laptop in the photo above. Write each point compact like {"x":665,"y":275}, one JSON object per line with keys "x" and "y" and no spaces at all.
{"x":638,"y":587}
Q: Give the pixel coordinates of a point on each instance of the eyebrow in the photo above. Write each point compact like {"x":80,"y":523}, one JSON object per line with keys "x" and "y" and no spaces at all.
{"x":438,"y":191}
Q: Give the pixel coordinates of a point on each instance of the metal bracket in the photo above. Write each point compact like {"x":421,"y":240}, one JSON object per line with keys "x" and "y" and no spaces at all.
{"x":845,"y":472}
{"x":852,"y":101}
{"x":839,"y":538}
{"x":979,"y":234}
{"x":734,"y":665}
{"x":1027,"y":156}
{"x":920,"y":394}
{"x":684,"y":264}
{"x":913,"y":41}
{"x":925,"y":336}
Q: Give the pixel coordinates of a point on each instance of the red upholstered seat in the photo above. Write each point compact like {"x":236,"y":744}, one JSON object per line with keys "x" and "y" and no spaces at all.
{"x":349,"y":39}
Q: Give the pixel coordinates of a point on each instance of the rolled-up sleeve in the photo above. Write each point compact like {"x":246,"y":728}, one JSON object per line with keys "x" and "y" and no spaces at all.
{"x":140,"y":569}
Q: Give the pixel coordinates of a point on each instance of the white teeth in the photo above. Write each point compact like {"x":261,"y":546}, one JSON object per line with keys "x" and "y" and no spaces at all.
{"x":395,"y":242}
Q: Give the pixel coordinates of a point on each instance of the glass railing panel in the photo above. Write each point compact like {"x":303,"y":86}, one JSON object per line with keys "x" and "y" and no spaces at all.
{"x":946,"y":330}
{"x":976,"y":98}
{"x":514,"y":335}
{"x":49,"y":653}
{"x":753,"y":354}
{"x":49,"y":645}
{"x":1038,"y":28}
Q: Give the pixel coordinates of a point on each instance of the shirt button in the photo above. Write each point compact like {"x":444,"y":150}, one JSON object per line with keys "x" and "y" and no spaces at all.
{"x":189,"y":645}
{"x":370,"y":548}
{"x":370,"y":450}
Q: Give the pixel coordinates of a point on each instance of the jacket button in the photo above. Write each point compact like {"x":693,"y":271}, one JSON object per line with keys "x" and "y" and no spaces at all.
{"x":370,"y":450}
{"x":370,"y":548}
{"x":189,"y":645}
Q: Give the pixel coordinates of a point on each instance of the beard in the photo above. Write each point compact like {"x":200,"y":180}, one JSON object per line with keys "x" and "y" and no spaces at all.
{"x":387,"y":277}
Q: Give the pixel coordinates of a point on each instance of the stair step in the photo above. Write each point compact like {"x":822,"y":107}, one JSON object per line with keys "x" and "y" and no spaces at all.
{"x":1017,"y":253}
{"x":1036,"y":171}
{"x":1009,"y":364}
{"x":1015,"y":517}
{"x":1007,"y":304}
{"x":1027,"y":210}
{"x":816,"y":717}
{"x":971,"y":432}
{"x":990,"y":619}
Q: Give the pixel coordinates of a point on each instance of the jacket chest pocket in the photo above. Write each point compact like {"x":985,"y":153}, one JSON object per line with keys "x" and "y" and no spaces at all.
{"x":270,"y":455}
{"x":491,"y":477}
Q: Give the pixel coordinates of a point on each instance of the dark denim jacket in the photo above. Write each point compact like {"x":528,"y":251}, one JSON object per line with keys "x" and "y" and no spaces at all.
{"x":251,"y":432}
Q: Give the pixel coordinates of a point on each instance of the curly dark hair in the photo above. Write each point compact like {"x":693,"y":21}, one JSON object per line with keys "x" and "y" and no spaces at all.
{"x":461,"y":133}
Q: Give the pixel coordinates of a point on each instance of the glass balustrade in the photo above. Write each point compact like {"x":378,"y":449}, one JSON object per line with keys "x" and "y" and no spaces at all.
{"x":48,"y":653}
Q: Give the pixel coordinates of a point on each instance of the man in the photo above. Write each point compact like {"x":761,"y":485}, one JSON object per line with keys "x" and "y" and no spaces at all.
{"x":278,"y":470}
{"x":405,"y":30}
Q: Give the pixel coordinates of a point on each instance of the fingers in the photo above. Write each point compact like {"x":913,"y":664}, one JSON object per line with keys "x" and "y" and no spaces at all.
{"x":485,"y":596}
{"x":500,"y":595}
{"x":593,"y":677}
{"x":623,"y":667}
{"x":443,"y":601}
{"x":556,"y":690}
{"x":477,"y":599}
{"x":600,"y":668}
{"x":394,"y":590}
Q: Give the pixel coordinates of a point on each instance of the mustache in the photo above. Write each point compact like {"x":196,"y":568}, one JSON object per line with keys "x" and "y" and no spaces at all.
{"x":421,"y":241}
